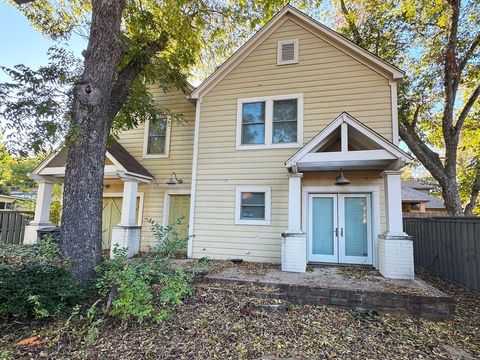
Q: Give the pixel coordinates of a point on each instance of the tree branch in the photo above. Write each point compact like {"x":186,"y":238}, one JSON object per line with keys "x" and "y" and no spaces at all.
{"x":473,"y":195}
{"x":121,"y":88}
{"x":470,"y":52}
{"x":466,"y":109}
{"x":352,"y":26}
{"x":427,"y":156}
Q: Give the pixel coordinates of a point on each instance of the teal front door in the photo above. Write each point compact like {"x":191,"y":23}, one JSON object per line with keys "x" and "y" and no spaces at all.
{"x":339,"y":228}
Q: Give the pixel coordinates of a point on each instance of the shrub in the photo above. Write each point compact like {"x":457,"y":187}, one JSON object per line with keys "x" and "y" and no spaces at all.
{"x":149,"y":286}
{"x":35,"y":281}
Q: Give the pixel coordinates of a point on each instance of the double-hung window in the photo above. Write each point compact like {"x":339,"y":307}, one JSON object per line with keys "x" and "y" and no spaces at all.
{"x":269,"y":122}
{"x":253,"y":205}
{"x":157,"y":138}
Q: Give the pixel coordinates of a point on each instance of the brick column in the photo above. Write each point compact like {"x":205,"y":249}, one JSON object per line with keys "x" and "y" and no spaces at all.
{"x":395,"y":248}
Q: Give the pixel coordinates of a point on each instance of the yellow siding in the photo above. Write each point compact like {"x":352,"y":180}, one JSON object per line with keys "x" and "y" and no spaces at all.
{"x":179,"y":160}
{"x":331,"y":82}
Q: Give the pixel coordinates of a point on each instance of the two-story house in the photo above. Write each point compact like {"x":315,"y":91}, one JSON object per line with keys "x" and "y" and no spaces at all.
{"x":289,"y":154}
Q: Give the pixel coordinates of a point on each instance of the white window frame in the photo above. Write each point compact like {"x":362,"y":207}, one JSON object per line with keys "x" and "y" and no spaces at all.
{"x":279,"y":52}
{"x":167,"y":141}
{"x":269,"y":122}
{"x":238,"y":205}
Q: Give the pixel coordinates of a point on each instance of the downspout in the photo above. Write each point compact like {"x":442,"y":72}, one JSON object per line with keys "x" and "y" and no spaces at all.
{"x":194,"y":178}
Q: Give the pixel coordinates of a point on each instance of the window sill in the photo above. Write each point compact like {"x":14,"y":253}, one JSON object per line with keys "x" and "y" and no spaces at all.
{"x":155,"y":156}
{"x":252,"y":222}
{"x":269,"y":146}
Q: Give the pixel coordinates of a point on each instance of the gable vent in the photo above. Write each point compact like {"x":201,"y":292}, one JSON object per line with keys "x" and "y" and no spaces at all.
{"x":287,"y":52}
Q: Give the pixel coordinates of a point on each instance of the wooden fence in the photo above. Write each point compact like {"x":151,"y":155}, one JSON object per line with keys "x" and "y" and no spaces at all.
{"x":448,"y":246}
{"x":12,"y":225}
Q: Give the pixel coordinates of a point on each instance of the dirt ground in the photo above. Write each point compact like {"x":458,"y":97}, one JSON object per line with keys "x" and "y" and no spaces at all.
{"x":228,"y":325}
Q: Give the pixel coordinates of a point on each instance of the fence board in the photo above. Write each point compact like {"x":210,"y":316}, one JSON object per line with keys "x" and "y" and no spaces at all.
{"x":12,"y":225}
{"x":449,"y":247}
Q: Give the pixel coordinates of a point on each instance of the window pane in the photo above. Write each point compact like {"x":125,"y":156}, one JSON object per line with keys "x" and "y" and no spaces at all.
{"x":253,"y":198}
{"x":253,"y":113}
{"x":156,"y":145}
{"x":356,"y":234}
{"x":157,"y":134}
{"x":158,"y":127}
{"x":284,"y":132}
{"x":285,"y":110}
{"x":252,"y":212}
{"x":253,"y":134}
{"x":322,"y":226}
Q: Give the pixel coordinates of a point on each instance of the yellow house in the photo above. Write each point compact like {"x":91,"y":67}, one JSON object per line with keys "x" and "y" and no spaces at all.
{"x":289,"y":154}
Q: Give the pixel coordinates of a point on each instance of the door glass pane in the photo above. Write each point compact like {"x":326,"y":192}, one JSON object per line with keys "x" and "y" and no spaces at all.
{"x":322,"y":226}
{"x":356,"y":236}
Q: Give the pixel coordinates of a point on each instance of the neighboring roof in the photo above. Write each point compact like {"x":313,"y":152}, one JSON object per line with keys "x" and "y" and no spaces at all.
{"x":416,"y":185}
{"x":115,"y":153}
{"x":410,"y":195}
{"x":127,"y":160}
{"x":8,"y":197}
{"x":314,"y":143}
{"x":328,"y":34}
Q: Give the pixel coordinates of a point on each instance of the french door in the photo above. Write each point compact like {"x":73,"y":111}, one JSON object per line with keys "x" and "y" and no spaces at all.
{"x":340,"y":228}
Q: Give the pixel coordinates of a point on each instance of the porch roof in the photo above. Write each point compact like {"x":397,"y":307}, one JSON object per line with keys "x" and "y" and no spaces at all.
{"x":119,"y":163}
{"x":347,"y":143}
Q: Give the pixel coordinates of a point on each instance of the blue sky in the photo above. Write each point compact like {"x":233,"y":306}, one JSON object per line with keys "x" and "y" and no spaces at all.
{"x":20,"y":43}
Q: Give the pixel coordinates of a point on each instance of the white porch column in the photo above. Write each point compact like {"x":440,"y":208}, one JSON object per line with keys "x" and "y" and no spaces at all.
{"x":129,"y":203}
{"x":42,"y":212}
{"x":126,"y":235}
{"x":295,"y":203}
{"x":395,"y":248}
{"x":393,"y":201}
{"x":294,"y":241}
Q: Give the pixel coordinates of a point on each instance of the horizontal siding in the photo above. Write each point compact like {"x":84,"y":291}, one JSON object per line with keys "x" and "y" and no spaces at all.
{"x":332,"y":82}
{"x":179,"y":160}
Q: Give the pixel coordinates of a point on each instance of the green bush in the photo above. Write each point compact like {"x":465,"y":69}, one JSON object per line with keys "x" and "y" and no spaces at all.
{"x":149,"y":286}
{"x":35,"y":281}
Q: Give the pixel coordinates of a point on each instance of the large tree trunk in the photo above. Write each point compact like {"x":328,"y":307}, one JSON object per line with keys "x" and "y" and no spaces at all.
{"x":91,"y":122}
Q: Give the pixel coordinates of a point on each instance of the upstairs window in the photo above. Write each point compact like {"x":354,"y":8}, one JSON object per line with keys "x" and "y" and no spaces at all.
{"x":157,"y":138}
{"x":273,"y":121}
{"x":253,"y":123}
{"x":284,"y":121}
{"x":287,"y":52}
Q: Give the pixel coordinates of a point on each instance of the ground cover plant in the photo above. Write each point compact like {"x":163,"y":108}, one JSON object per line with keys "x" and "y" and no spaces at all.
{"x":35,"y":281}
{"x":226,"y":324}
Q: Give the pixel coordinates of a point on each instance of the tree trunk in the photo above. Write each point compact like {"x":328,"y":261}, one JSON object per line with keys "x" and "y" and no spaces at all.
{"x":91,"y":122}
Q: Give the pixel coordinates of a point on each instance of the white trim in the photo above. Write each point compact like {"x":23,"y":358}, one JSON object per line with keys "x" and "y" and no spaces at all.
{"x":114,"y":161}
{"x":374,"y":190}
{"x":46,"y":161}
{"x":344,"y":137}
{"x":269,"y":122}
{"x":268,"y":204}
{"x":168,"y":131}
{"x":140,"y":196}
{"x":295,"y":52}
{"x":193,"y":188}
{"x":394,"y":98}
{"x":316,"y":142}
{"x":166,"y":202}
{"x":276,"y":21}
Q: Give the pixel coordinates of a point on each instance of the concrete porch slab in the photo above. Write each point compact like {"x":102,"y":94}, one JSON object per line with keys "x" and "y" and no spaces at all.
{"x":349,"y":286}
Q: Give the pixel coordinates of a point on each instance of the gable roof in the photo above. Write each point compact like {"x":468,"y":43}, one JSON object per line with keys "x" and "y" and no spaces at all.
{"x":327,"y":34}
{"x":410,"y":195}
{"x":345,"y":117}
{"x":116,"y":153}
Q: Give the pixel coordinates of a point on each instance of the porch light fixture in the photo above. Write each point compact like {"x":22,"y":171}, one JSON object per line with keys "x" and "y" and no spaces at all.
{"x":342,"y":180}
{"x":174,"y":180}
